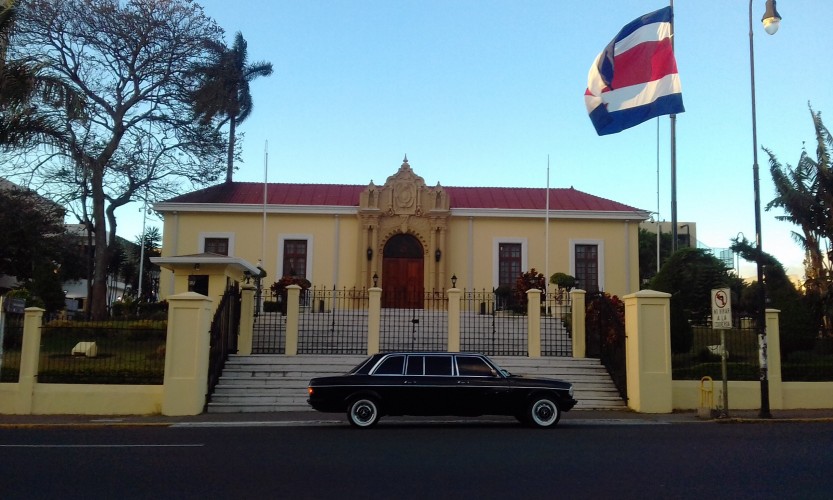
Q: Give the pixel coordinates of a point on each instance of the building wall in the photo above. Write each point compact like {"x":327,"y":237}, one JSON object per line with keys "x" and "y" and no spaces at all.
{"x":470,"y":249}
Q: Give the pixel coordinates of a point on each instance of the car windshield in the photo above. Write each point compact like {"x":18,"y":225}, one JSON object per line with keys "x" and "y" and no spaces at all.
{"x":358,"y":366}
{"x":502,"y":371}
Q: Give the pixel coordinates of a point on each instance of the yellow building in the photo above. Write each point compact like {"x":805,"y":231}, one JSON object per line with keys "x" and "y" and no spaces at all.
{"x":402,"y":236}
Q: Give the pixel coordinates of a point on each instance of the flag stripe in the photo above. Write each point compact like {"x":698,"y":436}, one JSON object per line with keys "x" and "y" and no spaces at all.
{"x":631,"y":72}
{"x":640,"y":95}
{"x":635,"y":77}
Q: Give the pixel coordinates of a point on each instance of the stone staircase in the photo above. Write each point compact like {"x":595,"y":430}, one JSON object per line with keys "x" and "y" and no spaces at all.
{"x":272,"y":383}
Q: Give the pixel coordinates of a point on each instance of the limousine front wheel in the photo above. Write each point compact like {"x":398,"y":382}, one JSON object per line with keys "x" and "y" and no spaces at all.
{"x":363,"y":412}
{"x":543,"y":412}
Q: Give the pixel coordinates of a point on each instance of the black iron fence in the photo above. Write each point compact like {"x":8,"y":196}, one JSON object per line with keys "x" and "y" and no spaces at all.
{"x":418,"y":324}
{"x":224,"y":329}
{"x":557,"y":324}
{"x":812,"y":365}
{"x":696,"y":353}
{"x":269,"y":329}
{"x":489,"y":326}
{"x":102,"y":352}
{"x":12,"y":343}
{"x":333,"y":321}
{"x":605,"y":336}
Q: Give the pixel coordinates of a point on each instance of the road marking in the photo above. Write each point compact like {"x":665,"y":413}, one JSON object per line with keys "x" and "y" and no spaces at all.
{"x":101,"y":445}
{"x":321,"y":423}
{"x":611,"y":421}
{"x":264,"y":423}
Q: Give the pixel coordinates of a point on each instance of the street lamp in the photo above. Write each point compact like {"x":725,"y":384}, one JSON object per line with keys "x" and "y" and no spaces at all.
{"x":771,"y":21}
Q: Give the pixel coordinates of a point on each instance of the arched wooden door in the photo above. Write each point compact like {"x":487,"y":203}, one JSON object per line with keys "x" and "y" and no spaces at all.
{"x":402,"y":272}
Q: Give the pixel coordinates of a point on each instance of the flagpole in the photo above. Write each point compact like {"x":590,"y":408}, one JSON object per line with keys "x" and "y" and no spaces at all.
{"x":265,"y":179}
{"x":547,"y":234}
{"x":659,"y":228}
{"x":673,"y":160}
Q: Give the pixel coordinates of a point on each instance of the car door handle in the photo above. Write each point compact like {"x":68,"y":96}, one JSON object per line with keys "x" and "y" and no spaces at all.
{"x":410,"y":382}
{"x":462,"y":381}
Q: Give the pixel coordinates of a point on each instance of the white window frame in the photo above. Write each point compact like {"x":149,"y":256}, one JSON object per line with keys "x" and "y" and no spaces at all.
{"x":298,"y":236}
{"x":600,"y":244}
{"x":229,"y":236}
{"x":496,"y":256}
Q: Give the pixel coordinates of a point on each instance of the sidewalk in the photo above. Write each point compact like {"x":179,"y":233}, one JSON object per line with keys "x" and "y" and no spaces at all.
{"x":313,"y":418}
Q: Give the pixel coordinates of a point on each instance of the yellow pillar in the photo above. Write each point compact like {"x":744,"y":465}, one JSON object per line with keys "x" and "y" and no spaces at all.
{"x":187,"y":354}
{"x":454,"y":295}
{"x":648,"y":348}
{"x":293,"y":300}
{"x":247,"y":320}
{"x":534,"y":322}
{"x":773,"y":343}
{"x":29,"y":358}
{"x":578,"y":303}
{"x":374,"y":319}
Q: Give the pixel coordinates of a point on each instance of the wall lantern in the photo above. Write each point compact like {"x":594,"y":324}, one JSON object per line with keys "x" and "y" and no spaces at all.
{"x":375,"y":280}
{"x":453,"y":281}
{"x":437,"y":254}
{"x":369,"y":253}
{"x":197,"y":266}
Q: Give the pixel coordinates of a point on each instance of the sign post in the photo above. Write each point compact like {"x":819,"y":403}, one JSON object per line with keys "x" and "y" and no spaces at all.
{"x":722,"y":320}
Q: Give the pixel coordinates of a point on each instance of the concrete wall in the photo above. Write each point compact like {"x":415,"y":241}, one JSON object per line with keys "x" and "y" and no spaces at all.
{"x":183,"y":391}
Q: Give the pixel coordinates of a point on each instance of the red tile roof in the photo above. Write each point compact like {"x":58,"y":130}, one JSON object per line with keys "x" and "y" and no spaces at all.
{"x":342,"y":195}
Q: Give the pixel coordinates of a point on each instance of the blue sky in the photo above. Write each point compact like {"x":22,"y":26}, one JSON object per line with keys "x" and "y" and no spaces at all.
{"x":481,"y":92}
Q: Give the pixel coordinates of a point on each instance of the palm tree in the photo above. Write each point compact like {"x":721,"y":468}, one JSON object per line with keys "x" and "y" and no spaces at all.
{"x":23,"y":82}
{"x":223,"y":90}
{"x":805,"y":193}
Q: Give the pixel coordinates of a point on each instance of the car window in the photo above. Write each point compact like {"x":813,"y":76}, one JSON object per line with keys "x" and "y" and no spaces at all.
{"x":414,"y":365}
{"x":391,"y":366}
{"x":438,"y":365}
{"x":472,"y":366}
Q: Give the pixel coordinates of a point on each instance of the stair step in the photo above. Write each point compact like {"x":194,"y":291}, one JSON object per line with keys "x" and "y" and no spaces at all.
{"x":270,"y":382}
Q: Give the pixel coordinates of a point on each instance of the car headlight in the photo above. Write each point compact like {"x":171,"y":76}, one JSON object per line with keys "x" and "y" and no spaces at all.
{"x":571,"y":391}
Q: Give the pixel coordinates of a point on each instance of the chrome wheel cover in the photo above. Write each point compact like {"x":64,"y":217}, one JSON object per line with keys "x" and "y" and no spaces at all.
{"x":544,"y":413}
{"x":363,"y":412}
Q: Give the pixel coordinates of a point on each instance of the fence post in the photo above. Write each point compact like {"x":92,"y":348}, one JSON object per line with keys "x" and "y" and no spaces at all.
{"x":187,"y":354}
{"x":648,"y":351}
{"x":293,"y":302}
{"x":29,"y":357}
{"x":773,"y":343}
{"x":533,"y":315}
{"x":247,"y":319}
{"x":578,"y":300}
{"x":454,"y":295}
{"x":374,"y":319}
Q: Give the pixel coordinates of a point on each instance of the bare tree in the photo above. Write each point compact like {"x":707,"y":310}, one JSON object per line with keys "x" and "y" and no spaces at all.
{"x":129,"y":60}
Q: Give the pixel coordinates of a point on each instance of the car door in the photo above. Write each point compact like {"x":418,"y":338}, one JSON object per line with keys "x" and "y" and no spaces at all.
{"x":428,"y":385}
{"x":481,"y":390}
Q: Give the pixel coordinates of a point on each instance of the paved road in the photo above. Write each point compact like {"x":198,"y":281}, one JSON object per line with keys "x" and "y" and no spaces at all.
{"x":483,"y":460}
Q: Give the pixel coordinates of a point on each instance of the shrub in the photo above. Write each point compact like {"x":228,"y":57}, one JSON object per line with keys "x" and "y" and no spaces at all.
{"x":527,"y":281}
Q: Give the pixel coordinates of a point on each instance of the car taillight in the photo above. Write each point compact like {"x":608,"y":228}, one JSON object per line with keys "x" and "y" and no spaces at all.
{"x":309,"y":390}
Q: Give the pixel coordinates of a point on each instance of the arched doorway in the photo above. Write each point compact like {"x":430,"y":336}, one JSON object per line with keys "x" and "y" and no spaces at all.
{"x":403,"y":272}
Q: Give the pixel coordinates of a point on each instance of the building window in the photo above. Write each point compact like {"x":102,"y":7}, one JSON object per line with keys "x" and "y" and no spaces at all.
{"x":295,"y":258}
{"x":217,"y":245}
{"x":509,"y":263}
{"x":587,"y":267}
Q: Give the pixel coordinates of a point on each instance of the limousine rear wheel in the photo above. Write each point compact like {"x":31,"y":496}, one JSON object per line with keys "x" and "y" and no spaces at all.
{"x":543,"y":412}
{"x":363,"y":412}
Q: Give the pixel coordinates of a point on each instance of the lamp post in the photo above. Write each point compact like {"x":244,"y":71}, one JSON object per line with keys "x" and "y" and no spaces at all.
{"x":771,"y":21}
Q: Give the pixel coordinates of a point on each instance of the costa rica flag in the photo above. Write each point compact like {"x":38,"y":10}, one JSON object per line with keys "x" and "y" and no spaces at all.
{"x":635,"y":77}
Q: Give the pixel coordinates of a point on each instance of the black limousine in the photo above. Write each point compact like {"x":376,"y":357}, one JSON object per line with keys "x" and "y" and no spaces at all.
{"x":438,"y":383}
